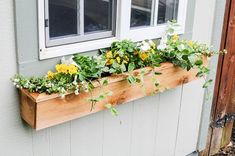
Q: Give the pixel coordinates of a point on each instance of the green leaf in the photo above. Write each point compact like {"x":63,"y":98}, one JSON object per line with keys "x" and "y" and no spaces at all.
{"x":157,"y":73}
{"x":131,"y":79}
{"x":114,"y":111}
{"x":207,"y":83}
{"x":131,"y":66}
{"x":105,"y":82}
{"x":108,"y":105}
{"x":109,"y":93}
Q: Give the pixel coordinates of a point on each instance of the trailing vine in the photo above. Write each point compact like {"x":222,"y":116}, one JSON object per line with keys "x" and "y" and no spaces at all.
{"x":79,"y":73}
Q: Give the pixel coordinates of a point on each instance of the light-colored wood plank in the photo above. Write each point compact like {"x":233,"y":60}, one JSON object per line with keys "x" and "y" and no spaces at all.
{"x":87,"y":135}
{"x":28,"y":109}
{"x":144,"y":126}
{"x":117,"y":131}
{"x":167,"y":125}
{"x":52,"y":110}
{"x":41,"y":143}
{"x":190,"y":117}
{"x":60,"y":140}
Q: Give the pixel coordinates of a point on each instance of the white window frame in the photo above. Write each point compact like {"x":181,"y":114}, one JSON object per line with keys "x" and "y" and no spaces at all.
{"x":123,"y":30}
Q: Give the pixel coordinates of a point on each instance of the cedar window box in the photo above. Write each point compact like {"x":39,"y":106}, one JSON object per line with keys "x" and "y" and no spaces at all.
{"x":42,"y":110}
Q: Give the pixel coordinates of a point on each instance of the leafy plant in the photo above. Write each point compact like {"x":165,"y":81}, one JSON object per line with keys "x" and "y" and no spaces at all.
{"x":80,"y":72}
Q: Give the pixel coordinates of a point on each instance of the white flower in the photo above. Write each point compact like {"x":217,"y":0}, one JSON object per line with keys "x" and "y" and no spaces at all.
{"x":162,"y":47}
{"x":68,"y":61}
{"x":76,"y":92}
{"x":62,"y":96}
{"x":145,"y":46}
{"x":163,"y":43}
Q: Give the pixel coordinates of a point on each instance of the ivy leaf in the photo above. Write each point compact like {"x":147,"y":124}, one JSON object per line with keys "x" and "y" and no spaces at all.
{"x":131,"y":79}
{"x":105,"y":83}
{"x":109,"y":93}
{"x":199,"y":62}
{"x":112,"y":109}
{"x":207,"y":83}
{"x":108,"y":106}
{"x":157,"y":73}
{"x":131,"y":66}
{"x":156,"y":83}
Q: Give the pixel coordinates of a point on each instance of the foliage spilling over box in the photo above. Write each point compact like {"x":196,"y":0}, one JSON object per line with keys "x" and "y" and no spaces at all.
{"x":42,"y":110}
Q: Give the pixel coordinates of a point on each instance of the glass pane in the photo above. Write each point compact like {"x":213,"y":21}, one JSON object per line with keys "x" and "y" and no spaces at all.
{"x":167,"y":10}
{"x":97,"y":15}
{"x":141,"y":11}
{"x":62,"y":18}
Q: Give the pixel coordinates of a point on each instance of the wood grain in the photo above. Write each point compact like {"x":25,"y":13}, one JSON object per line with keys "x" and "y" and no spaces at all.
{"x":224,"y":87}
{"x":51,"y":110}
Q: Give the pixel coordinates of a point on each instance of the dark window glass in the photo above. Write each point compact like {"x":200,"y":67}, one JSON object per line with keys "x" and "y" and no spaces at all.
{"x":62,"y":18}
{"x":141,"y":12}
{"x":97,"y":15}
{"x":167,"y":10}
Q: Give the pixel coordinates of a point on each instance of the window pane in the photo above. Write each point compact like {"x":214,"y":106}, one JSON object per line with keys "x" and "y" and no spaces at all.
{"x":167,"y":10}
{"x":141,"y":11}
{"x":62,"y":17}
{"x":97,"y":15}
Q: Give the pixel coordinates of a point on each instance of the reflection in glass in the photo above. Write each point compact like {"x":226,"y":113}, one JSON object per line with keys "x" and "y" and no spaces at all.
{"x":141,"y":12}
{"x":62,"y":18}
{"x":167,"y":10}
{"x":97,"y":15}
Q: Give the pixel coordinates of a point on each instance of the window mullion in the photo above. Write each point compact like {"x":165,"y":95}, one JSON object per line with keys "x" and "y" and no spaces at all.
{"x":152,"y":13}
{"x":123,"y":18}
{"x":81,"y":17}
{"x":155,"y":12}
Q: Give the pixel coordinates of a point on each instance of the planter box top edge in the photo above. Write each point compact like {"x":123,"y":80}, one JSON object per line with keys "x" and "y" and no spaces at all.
{"x":40,"y":97}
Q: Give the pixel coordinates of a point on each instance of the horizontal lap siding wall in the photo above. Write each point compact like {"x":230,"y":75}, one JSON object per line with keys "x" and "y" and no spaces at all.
{"x":162,"y":125}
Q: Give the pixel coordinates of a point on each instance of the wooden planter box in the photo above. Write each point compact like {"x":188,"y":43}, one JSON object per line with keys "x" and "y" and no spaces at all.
{"x":41,"y":110}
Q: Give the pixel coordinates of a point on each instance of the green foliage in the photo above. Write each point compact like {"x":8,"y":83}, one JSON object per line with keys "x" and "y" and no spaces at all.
{"x":122,"y":56}
{"x":89,"y":67}
{"x":113,"y":110}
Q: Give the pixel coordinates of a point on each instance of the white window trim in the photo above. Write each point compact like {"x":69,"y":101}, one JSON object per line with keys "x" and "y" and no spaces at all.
{"x":123,"y":31}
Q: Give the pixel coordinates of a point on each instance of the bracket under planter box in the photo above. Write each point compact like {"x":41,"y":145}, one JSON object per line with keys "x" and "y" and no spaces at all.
{"x":42,"y":110}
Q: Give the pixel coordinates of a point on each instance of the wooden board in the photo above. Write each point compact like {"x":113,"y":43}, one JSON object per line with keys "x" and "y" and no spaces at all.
{"x":223,"y":102}
{"x":42,"y":110}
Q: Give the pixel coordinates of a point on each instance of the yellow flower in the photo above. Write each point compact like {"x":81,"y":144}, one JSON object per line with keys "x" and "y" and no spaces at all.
{"x":118,"y":60}
{"x":110,"y":62}
{"x":143,"y":56}
{"x":115,"y":53}
{"x":62,"y":68}
{"x":124,"y":61}
{"x":72,"y":69}
{"x":190,"y":43}
{"x":109,"y":54}
{"x":175,"y":37}
{"x":126,"y":58}
{"x":50,"y":74}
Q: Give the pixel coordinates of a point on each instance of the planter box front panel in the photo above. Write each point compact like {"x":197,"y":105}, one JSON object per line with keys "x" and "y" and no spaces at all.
{"x":42,"y":111}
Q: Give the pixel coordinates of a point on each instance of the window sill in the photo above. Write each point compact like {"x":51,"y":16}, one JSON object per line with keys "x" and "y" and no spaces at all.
{"x":138,"y":34}
{"x":42,"y":110}
{"x":46,"y":53}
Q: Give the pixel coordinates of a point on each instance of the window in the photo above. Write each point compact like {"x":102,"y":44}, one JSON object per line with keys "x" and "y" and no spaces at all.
{"x":167,"y":10}
{"x":78,"y":20}
{"x":71,"y":26}
{"x":141,"y":13}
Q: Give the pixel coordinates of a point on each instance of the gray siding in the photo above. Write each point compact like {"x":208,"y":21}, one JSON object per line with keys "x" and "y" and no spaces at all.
{"x":147,"y":127}
{"x":215,"y":41}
